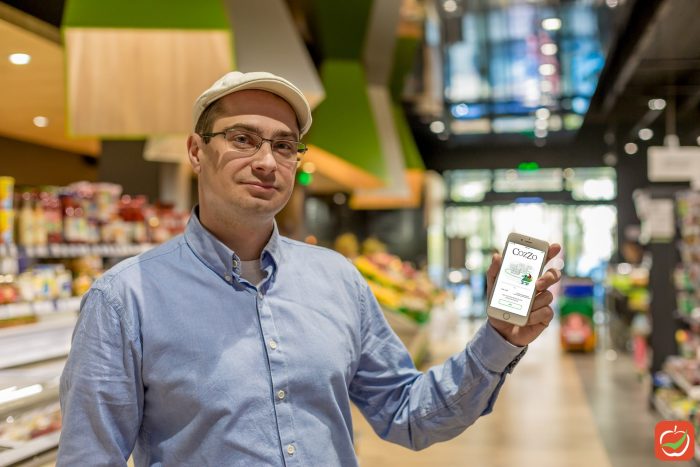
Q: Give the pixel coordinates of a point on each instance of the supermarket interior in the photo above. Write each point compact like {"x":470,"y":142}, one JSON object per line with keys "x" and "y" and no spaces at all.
{"x":439,"y":128}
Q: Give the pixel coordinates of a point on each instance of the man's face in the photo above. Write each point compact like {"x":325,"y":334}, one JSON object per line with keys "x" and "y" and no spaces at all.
{"x":246,"y":185}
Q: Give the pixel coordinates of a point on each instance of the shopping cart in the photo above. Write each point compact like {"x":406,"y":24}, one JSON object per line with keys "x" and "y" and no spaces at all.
{"x":576,"y":306}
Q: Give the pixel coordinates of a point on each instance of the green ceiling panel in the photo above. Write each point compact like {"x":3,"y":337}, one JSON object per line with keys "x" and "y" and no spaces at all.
{"x":343,"y":123}
{"x":408,"y":144}
{"x":342,"y":27}
{"x":404,"y":59}
{"x":146,"y":14}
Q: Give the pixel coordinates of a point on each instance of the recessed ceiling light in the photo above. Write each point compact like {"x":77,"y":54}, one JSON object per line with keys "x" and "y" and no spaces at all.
{"x":645,"y":134}
{"x":631,"y":148}
{"x":547,"y":69}
{"x":657,"y":104}
{"x":437,"y":126}
{"x":450,"y":6}
{"x":612,"y":3}
{"x":20,"y":58}
{"x":549,"y":49}
{"x":41,"y":121}
{"x":551,"y":24}
{"x":542,"y":113}
{"x":309,"y":167}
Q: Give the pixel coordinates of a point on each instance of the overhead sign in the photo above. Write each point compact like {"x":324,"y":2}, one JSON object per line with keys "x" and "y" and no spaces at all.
{"x":673,"y":164}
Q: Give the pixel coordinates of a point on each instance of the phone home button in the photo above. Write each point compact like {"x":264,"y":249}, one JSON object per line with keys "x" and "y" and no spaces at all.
{"x":506,"y":316}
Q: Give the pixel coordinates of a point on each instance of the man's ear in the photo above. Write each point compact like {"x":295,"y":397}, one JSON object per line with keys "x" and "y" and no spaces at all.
{"x":194,"y":151}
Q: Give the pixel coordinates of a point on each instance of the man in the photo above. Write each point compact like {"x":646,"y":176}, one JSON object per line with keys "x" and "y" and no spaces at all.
{"x":232,"y":345}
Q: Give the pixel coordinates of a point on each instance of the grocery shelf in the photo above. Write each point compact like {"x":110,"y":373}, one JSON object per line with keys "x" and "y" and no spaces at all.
{"x":691,"y":391}
{"x":30,"y":449}
{"x":66,"y":250}
{"x":664,"y":410}
{"x":40,"y":308}
{"x":45,"y":340}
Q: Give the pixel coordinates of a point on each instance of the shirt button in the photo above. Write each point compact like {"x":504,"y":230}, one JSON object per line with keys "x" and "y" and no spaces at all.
{"x":291,"y":449}
{"x":235,"y":263}
{"x":281,"y":394}
{"x":273,"y":345}
{"x":228,"y":278}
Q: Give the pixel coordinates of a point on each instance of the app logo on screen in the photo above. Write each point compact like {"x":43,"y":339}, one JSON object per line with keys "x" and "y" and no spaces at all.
{"x":516,"y":282}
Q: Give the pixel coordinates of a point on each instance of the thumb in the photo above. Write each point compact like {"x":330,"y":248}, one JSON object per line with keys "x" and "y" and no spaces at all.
{"x":493,"y":271}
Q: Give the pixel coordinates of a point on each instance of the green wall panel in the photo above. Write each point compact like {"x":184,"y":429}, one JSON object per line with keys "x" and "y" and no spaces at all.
{"x":404,"y":59}
{"x":343,"y":123}
{"x":342,"y":27}
{"x":146,"y":14}
{"x":411,"y":154}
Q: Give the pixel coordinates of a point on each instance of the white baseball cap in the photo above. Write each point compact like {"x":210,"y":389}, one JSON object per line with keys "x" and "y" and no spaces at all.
{"x":237,"y":81}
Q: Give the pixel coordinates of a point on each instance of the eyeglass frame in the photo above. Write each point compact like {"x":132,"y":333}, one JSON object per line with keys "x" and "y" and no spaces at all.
{"x":301,"y":151}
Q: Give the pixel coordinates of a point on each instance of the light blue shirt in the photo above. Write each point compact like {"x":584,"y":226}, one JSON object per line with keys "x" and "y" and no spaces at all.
{"x":177,"y":358}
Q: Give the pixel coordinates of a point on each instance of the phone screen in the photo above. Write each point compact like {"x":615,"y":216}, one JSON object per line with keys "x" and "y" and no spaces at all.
{"x":515,"y":285}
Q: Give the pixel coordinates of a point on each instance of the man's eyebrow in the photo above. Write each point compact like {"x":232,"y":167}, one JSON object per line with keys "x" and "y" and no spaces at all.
{"x":258,"y":130}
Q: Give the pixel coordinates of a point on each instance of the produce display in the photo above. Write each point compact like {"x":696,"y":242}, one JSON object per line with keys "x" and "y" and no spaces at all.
{"x":396,"y":284}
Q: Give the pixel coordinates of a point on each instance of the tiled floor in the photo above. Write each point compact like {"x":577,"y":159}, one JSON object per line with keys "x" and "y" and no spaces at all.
{"x":555,"y":410}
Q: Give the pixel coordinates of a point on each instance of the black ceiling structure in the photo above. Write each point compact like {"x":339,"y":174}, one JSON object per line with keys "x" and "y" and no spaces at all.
{"x":654,"y":54}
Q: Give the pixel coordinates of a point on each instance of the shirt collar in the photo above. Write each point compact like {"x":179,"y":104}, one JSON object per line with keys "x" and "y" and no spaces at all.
{"x":220,"y":258}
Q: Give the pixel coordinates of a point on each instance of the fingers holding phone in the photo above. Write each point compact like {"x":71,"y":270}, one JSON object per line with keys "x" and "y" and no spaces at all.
{"x":518,"y":299}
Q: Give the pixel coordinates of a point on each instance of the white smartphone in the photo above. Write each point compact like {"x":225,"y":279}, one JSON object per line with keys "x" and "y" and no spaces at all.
{"x":514,"y":290}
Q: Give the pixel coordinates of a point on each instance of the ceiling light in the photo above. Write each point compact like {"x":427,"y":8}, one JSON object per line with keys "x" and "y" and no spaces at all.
{"x":540,"y":133}
{"x":309,"y":167}
{"x":541,"y":124}
{"x":460,"y":110}
{"x":450,"y":6}
{"x":698,"y":140}
{"x":437,"y":126}
{"x":547,"y":69}
{"x":542,"y":113}
{"x":551,"y":24}
{"x":610,"y":159}
{"x":41,"y":121}
{"x":657,"y":104}
{"x":549,"y":49}
{"x":631,"y":148}
{"x":20,"y":58}
{"x":612,"y":3}
{"x":645,"y":134}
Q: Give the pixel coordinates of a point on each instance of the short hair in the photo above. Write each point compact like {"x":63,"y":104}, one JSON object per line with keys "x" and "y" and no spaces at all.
{"x":205,"y":124}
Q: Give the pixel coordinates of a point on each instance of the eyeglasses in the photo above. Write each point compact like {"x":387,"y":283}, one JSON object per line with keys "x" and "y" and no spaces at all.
{"x":245,"y":142}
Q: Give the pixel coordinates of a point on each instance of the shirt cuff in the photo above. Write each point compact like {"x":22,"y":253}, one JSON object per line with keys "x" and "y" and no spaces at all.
{"x":494,"y":352}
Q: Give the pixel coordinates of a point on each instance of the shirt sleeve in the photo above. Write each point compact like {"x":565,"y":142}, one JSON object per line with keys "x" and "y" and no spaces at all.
{"x":101,"y":391}
{"x":417,"y":409}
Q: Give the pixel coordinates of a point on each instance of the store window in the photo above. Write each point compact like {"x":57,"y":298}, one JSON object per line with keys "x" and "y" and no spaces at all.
{"x":514,"y":181}
{"x":508,"y":61}
{"x":468,"y":185}
{"x":592,"y":184}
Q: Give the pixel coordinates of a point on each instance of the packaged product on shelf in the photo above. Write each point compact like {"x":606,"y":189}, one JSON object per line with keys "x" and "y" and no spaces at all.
{"x":7,"y":212}
{"x":53,"y":218}
{"x":31,"y":424}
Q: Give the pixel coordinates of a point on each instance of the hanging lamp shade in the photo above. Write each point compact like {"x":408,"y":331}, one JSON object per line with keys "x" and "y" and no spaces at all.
{"x":404,"y":164}
{"x":134,"y":68}
{"x":343,"y":141}
{"x":280,"y":49}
